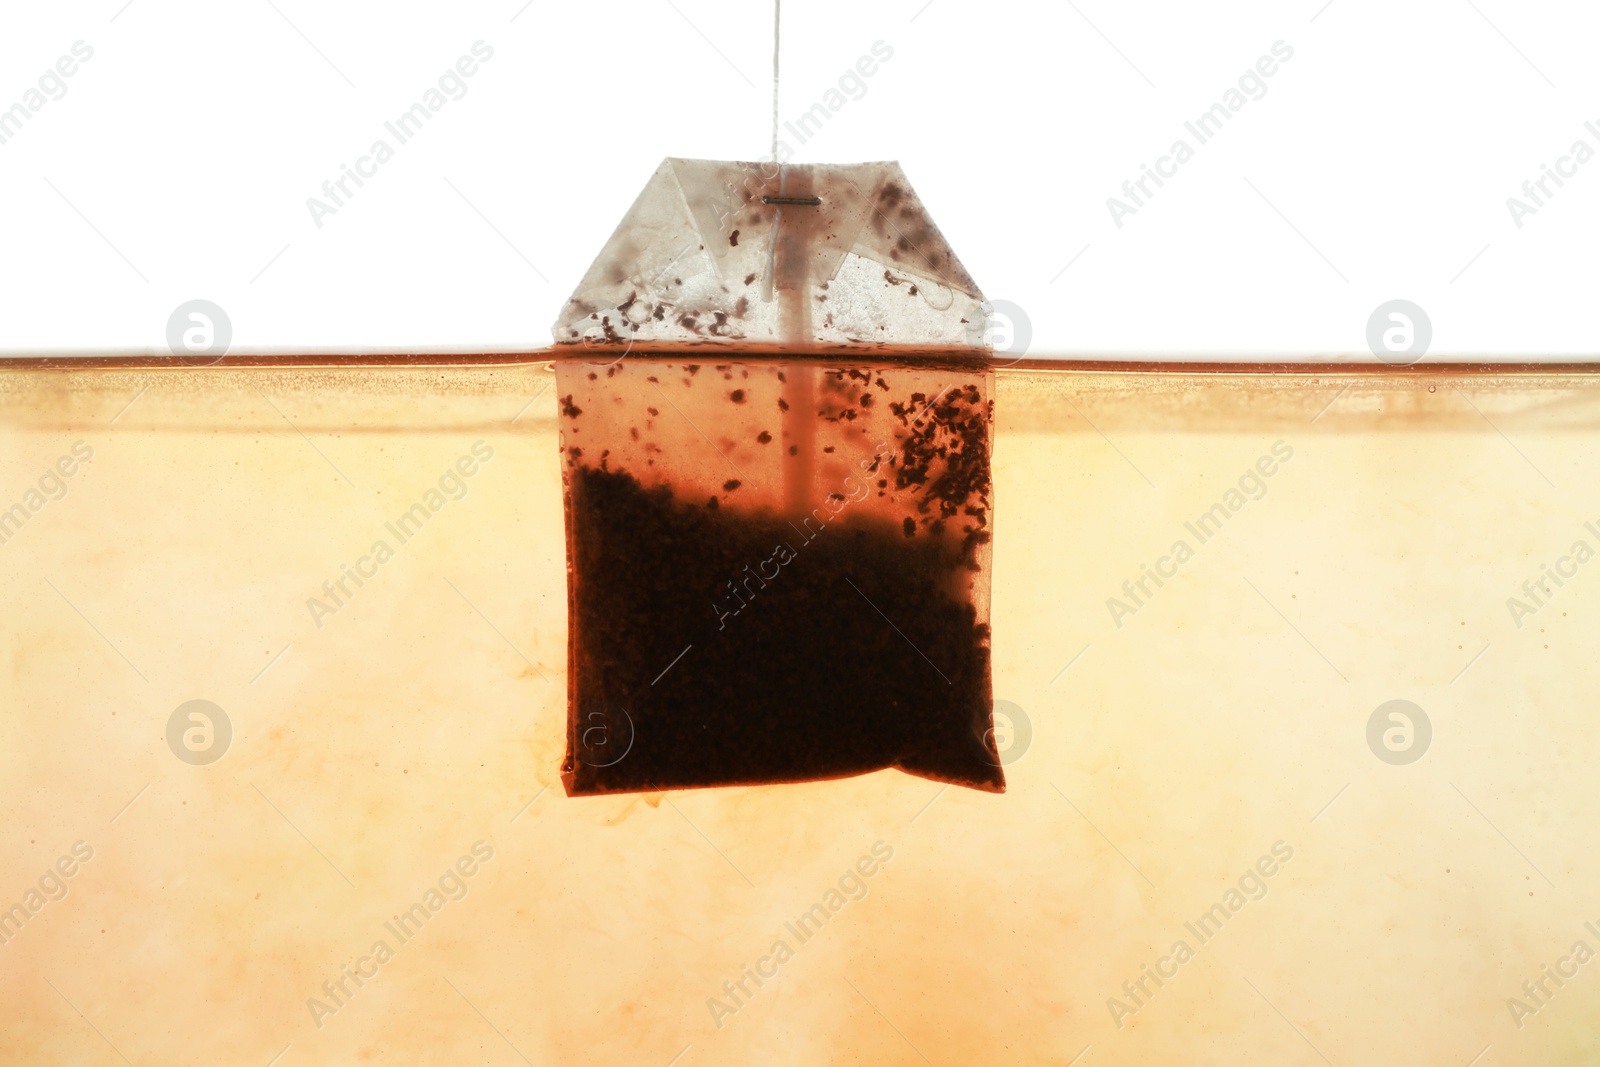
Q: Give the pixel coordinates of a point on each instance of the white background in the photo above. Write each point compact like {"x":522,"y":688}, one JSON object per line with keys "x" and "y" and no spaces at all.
{"x":1377,"y":166}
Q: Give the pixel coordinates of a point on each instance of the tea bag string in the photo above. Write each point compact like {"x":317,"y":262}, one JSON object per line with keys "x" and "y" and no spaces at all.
{"x":777,"y":221}
{"x":777,"y":24}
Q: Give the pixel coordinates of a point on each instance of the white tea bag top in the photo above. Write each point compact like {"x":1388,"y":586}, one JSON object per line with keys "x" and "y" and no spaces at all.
{"x":760,"y":253}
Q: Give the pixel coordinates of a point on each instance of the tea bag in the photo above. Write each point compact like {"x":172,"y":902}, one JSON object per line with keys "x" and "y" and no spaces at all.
{"x":776,"y":430}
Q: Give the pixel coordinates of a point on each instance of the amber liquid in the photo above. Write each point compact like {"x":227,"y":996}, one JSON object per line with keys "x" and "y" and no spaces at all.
{"x":1206,"y":582}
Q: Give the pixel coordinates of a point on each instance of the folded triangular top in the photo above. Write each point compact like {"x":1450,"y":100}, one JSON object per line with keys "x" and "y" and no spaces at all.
{"x":757,"y":253}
